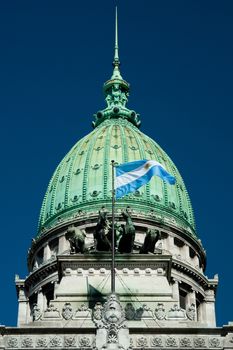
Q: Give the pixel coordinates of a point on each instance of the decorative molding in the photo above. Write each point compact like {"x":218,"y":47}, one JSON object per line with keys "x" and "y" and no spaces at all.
{"x":67,"y":311}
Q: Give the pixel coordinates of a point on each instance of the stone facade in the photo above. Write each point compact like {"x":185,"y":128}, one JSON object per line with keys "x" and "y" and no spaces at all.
{"x":162,"y":298}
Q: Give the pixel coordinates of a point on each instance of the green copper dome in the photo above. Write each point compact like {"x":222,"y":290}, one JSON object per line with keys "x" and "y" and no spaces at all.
{"x":82,"y":181}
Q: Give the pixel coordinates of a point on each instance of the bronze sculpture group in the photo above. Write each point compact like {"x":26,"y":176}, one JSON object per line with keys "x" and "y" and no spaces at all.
{"x":124,"y":235}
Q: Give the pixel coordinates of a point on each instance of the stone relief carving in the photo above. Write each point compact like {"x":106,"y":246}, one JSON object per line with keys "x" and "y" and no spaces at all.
{"x":143,"y":312}
{"x":67,"y":311}
{"x":142,"y":342}
{"x":113,"y":312}
{"x":160,"y":311}
{"x":176,"y":312}
{"x":69,"y":341}
{"x":55,"y":342}
{"x":41,"y":343}
{"x":191,"y":312}
{"x":185,"y":342}
{"x":214,"y":342}
{"x":12,"y":342}
{"x":51,"y":312}
{"x":111,"y":328}
{"x":84,"y":342}
{"x":156,"y":342}
{"x":36,"y":313}
{"x":171,"y":341}
{"x":27,"y":343}
{"x":84,"y":312}
{"x":97,"y":313}
{"x":83,"y":307}
{"x":199,"y":342}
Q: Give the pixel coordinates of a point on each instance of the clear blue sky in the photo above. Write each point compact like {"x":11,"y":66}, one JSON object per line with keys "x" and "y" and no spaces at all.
{"x":55,"y":56}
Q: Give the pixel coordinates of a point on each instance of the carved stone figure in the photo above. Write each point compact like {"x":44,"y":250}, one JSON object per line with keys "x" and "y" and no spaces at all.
{"x":76,"y":237}
{"x":128,"y":235}
{"x":102,"y":242}
{"x":151,"y":238}
{"x":36,"y":313}
{"x":129,"y":311}
{"x":119,"y":229}
{"x":191,"y":312}
{"x":113,"y":312}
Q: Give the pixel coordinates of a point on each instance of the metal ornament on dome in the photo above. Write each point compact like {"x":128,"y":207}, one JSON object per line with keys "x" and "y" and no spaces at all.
{"x":116,"y":92}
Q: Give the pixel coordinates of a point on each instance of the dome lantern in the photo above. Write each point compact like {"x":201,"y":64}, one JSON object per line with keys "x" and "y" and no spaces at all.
{"x":116,"y":91}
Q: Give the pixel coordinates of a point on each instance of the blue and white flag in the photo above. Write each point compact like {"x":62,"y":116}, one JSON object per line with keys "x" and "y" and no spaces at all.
{"x":130,"y":176}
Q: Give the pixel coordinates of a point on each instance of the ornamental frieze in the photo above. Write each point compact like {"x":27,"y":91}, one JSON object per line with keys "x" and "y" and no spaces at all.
{"x":113,"y":334}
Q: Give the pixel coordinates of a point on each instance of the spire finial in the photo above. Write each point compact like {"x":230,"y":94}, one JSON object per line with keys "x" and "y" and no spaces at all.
{"x":116,"y":61}
{"x":116,"y":54}
{"x":116,"y":91}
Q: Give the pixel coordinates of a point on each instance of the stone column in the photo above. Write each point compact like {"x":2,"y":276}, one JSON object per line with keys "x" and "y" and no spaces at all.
{"x":22,"y":307}
{"x":201,"y":311}
{"x":41,"y":300}
{"x":185,"y":252}
{"x":170,"y":244}
{"x":196,"y":261}
{"x":209,"y":308}
{"x":175,"y":292}
{"x":2,"y":346}
{"x":47,"y":252}
{"x":191,"y":299}
{"x":63,"y":244}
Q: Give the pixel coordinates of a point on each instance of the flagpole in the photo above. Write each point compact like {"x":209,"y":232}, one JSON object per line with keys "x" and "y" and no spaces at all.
{"x":113,"y":229}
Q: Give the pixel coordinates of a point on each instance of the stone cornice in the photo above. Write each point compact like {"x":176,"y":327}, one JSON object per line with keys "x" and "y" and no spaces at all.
{"x":195,"y":274}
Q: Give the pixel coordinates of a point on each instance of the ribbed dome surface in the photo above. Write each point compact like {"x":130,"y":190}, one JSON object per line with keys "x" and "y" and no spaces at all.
{"x":82,"y":181}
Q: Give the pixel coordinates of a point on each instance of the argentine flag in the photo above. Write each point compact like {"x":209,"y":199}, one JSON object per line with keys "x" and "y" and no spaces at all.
{"x":130,"y":176}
